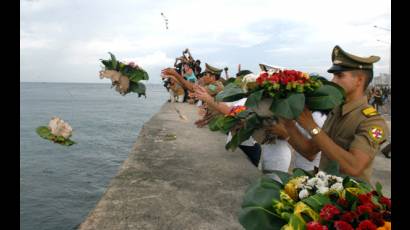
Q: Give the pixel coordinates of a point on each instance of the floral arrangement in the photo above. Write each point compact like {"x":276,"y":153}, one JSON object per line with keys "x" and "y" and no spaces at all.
{"x":318,"y":201}
{"x":125,"y":77}
{"x":57,"y":131}
{"x":273,"y":94}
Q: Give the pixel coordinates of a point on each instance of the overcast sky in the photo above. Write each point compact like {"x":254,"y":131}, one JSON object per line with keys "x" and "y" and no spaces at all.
{"x":63,"y":40}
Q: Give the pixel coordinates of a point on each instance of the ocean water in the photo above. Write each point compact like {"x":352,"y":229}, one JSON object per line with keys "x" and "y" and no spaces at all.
{"x":60,"y":185}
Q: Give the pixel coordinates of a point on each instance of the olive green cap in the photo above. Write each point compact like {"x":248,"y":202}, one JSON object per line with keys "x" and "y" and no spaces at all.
{"x":344,"y":61}
{"x":212,"y":70}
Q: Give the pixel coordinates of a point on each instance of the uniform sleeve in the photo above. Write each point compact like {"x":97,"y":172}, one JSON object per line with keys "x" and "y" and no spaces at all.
{"x":369,"y":135}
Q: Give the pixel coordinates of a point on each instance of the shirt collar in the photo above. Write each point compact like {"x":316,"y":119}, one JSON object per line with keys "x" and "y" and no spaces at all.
{"x":353,"y":105}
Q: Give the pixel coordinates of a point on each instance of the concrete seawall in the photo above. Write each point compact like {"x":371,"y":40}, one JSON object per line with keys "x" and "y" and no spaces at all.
{"x":176,"y":177}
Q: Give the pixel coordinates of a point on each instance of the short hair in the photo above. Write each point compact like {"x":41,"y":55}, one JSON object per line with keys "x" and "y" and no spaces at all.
{"x":368,"y":74}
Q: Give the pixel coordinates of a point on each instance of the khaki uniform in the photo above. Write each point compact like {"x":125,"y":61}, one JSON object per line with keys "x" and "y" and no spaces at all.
{"x":356,"y":125}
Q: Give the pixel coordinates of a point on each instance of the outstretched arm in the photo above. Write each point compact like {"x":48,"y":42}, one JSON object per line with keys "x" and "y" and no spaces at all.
{"x":202,"y":94}
{"x":172,"y":72}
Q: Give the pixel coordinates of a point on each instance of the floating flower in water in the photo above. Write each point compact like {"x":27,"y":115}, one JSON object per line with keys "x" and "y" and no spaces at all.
{"x":59,"y":127}
{"x":57,"y":131}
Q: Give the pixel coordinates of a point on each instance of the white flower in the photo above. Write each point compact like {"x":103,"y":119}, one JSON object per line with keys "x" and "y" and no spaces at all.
{"x":337,"y":187}
{"x":321,"y":183}
{"x":249,"y":78}
{"x":303,"y":193}
{"x":60,"y":128}
{"x":312,"y":181}
{"x":321,"y":175}
{"x":322,"y":190}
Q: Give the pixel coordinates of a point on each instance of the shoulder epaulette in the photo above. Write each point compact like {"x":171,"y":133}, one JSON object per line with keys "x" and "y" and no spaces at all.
{"x":370,"y":111}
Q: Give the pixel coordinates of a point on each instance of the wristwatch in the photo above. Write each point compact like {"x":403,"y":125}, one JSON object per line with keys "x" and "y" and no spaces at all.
{"x":315,"y":131}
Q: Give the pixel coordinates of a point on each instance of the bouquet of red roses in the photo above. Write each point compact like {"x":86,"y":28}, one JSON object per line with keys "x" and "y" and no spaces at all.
{"x":281,"y":93}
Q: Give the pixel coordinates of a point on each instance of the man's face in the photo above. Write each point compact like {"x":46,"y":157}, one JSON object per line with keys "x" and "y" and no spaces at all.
{"x":208,"y":78}
{"x":346,"y":80}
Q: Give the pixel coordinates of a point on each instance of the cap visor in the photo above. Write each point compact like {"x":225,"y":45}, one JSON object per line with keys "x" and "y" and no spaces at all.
{"x":338,"y":69}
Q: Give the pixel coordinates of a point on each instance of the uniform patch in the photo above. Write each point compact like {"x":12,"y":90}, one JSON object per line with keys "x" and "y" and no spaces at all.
{"x":376,"y":134}
{"x":370,"y":111}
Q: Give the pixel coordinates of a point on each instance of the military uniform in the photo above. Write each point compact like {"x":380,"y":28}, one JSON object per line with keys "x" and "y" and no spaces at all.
{"x":355,"y":125}
{"x":217,"y":86}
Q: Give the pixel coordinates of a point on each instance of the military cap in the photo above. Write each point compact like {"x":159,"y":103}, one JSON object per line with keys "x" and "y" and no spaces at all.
{"x":344,"y":61}
{"x":212,"y":70}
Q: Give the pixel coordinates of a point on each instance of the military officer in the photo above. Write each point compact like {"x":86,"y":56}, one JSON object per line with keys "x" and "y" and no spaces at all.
{"x":352,"y":133}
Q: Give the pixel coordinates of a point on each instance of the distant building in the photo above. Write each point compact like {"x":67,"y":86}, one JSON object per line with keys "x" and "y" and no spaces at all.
{"x":382,"y":79}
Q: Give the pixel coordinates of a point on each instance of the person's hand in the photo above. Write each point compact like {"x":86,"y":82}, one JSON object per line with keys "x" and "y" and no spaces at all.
{"x":280,"y":130}
{"x":306,"y":120}
{"x":201,"y":93}
{"x":169,"y":71}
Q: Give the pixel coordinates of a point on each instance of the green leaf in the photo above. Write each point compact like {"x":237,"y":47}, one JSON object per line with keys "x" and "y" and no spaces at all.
{"x":284,"y":176}
{"x":233,"y":143}
{"x":45,"y":133}
{"x":113,"y":61}
{"x":379,"y":188}
{"x":300,"y":172}
{"x":229,"y":81}
{"x":137,"y":88}
{"x":326,"y":97}
{"x":252,"y":122}
{"x":254,"y":98}
{"x":350,"y":198}
{"x":135,"y":75}
{"x":257,"y":218}
{"x":261,"y":192}
{"x":227,"y":123}
{"x":317,"y":201}
{"x":231,"y":92}
{"x":296,"y":222}
{"x":213,"y":124}
{"x":290,"y":107}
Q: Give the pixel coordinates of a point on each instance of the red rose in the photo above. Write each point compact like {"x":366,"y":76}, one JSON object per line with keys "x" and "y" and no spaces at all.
{"x":366,"y":225}
{"x":313,"y":225}
{"x":386,"y":201}
{"x":362,"y":209}
{"x":342,"y":202}
{"x":348,"y":217}
{"x":328,"y":212}
{"x":365,"y":198}
{"x":377,"y":218}
{"x":342,"y":225}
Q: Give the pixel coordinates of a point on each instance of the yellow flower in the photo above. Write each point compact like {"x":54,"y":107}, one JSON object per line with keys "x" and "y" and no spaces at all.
{"x":292,"y":185}
{"x":301,"y":207}
{"x":386,"y":226}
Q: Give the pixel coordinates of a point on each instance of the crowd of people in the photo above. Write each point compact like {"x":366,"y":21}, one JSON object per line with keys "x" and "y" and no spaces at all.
{"x":378,"y":97}
{"x":348,"y":137}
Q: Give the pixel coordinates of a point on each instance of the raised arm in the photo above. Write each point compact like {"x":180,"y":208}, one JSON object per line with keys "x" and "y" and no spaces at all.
{"x":172,"y":72}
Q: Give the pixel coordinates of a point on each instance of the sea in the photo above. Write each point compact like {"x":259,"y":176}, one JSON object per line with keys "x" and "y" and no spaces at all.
{"x":60,"y":185}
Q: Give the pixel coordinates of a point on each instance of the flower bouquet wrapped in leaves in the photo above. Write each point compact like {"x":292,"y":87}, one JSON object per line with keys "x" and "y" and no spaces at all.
{"x":125,"y":77}
{"x":272,"y":95}
{"x":57,"y":131}
{"x":318,"y":201}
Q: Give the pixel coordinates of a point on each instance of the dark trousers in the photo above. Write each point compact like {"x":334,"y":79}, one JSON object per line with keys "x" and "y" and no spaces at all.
{"x":253,"y":153}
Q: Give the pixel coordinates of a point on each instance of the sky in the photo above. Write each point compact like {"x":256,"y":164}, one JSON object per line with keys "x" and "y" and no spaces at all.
{"x":64,"y":40}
